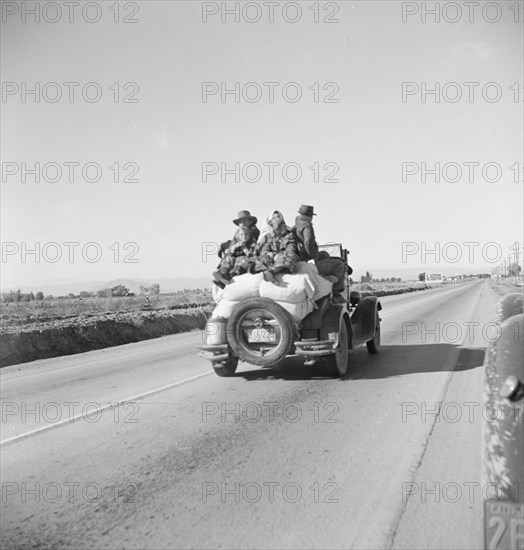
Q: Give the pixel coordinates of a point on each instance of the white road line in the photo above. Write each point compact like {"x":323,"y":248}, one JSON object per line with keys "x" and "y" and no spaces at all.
{"x":105,"y":407}
{"x":88,"y":363}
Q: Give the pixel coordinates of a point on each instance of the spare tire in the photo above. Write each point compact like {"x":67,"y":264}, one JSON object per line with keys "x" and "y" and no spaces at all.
{"x":260,"y":331}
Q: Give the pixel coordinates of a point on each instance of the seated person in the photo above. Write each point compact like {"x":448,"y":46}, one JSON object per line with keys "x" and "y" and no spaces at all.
{"x":238,"y":259}
{"x":308,"y":250}
{"x":276,"y":248}
{"x":328,"y":265}
{"x":244,"y":219}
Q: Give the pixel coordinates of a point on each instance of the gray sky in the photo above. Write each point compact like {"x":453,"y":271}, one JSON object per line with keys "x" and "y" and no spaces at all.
{"x":369,"y":133}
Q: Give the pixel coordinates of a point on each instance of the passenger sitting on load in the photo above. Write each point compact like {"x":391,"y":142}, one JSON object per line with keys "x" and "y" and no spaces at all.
{"x":244,"y":219}
{"x":308,"y":250}
{"x":276,"y":248}
{"x":238,"y":259}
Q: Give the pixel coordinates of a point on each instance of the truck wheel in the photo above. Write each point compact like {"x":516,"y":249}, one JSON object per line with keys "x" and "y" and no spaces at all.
{"x":260,"y":331}
{"x":374,"y":344}
{"x":227,"y":367}
{"x":338,"y":362}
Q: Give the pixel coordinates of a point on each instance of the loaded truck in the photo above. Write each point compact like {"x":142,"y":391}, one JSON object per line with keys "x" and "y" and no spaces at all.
{"x":262,"y":332}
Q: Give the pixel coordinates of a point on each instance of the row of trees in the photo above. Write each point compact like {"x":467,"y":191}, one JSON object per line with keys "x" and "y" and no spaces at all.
{"x":16,"y":296}
{"x":422,"y":276}
{"x":186,"y":291}
{"x":514,"y":269}
{"x":368,"y":278}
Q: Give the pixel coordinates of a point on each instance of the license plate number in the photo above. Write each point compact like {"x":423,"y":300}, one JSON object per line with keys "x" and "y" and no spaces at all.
{"x":260,"y":335}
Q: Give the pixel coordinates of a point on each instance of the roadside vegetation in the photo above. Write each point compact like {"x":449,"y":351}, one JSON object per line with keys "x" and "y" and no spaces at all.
{"x":19,"y":309}
{"x":34,"y":328}
{"x":508,"y":285}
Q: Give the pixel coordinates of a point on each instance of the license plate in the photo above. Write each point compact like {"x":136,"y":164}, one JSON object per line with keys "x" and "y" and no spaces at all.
{"x":260,"y":335}
{"x":504,"y":525}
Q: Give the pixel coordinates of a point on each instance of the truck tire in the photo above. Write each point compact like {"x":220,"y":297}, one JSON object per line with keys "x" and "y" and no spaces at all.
{"x":227,"y":367}
{"x":373,"y":345}
{"x":337,"y":363}
{"x":260,"y":313}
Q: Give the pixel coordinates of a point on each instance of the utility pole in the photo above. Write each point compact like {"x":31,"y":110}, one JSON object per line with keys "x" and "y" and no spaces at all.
{"x":517,"y":254}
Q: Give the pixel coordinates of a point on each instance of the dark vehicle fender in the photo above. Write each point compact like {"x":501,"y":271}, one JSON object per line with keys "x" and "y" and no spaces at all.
{"x":504,"y":438}
{"x":331,"y":321}
{"x":365,"y":318}
{"x":503,"y":434}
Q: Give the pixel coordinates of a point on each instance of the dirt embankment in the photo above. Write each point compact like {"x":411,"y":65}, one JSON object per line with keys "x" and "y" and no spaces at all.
{"x":20,"y":344}
{"x":384,"y":289}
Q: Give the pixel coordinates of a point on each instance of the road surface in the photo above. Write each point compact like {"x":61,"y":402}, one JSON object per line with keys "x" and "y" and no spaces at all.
{"x":143,"y":446}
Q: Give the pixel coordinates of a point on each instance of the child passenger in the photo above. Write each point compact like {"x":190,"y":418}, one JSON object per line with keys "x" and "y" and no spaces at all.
{"x":243,"y":219}
{"x":238,"y":257}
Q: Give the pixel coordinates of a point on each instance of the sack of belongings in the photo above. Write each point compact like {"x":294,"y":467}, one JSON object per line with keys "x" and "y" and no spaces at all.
{"x":296,"y":293}
{"x":243,"y":287}
{"x":223,"y":309}
{"x":322,"y":286}
{"x":298,"y":310}
{"x":290,"y":288}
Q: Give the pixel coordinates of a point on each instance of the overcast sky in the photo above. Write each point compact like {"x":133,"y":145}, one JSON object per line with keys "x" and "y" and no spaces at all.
{"x":170,"y":132}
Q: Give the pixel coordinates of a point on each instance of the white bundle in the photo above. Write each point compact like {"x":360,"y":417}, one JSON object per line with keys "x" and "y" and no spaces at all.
{"x":293,"y":289}
{"x":296,"y":293}
{"x":298,"y":310}
{"x":224,"y":309}
{"x":322,"y":286}
{"x":243,"y":287}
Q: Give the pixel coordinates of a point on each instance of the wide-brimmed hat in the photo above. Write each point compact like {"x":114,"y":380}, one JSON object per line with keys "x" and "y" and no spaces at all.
{"x":306,"y":210}
{"x":242,"y":215}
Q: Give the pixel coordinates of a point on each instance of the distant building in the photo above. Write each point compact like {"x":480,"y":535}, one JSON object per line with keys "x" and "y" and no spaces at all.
{"x":434,"y":278}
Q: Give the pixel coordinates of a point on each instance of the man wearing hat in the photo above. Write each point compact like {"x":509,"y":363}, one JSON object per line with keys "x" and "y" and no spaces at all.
{"x":306,"y":242}
{"x":308,"y":250}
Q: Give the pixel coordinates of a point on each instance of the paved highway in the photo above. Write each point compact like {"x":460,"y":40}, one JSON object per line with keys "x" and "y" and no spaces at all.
{"x":143,"y":446}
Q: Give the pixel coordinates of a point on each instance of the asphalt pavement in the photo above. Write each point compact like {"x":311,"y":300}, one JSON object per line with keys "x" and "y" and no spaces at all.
{"x":143,"y":446}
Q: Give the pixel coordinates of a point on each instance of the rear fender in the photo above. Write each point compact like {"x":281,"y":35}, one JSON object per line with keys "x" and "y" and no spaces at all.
{"x":331,"y":321}
{"x":310,"y":326}
{"x":314,"y":320}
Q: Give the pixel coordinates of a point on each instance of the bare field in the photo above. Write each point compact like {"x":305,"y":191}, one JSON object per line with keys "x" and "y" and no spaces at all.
{"x":58,"y":309}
